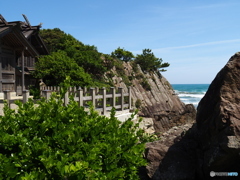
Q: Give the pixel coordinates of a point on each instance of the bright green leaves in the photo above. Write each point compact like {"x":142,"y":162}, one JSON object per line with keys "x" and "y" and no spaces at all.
{"x":69,"y":57}
{"x":49,"y":140}
{"x":55,"y":67}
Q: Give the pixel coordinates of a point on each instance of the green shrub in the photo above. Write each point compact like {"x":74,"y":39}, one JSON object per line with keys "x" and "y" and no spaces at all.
{"x":130,"y":78}
{"x":134,"y":67}
{"x":145,"y":84}
{"x":138,"y":103}
{"x":52,"y":141}
{"x":35,"y":92}
{"x":139,"y":76}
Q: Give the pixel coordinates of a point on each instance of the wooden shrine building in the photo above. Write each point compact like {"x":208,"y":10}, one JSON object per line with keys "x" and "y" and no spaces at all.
{"x":20,"y":46}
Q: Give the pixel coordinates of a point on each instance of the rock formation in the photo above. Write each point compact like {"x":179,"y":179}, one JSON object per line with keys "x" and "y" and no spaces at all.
{"x":212,"y":144}
{"x":218,"y":121}
{"x":156,"y":98}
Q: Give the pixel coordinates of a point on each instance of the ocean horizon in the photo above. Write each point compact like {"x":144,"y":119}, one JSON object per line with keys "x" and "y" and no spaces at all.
{"x":190,"y":93}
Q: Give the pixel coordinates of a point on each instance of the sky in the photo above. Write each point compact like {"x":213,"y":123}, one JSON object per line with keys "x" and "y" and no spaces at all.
{"x":196,"y":37}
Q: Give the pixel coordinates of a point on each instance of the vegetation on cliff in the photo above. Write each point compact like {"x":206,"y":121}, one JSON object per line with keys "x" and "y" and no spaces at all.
{"x":84,"y":64}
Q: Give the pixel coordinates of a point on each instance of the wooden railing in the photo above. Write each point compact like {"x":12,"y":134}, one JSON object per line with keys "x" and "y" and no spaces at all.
{"x":101,"y":99}
{"x":7,"y":97}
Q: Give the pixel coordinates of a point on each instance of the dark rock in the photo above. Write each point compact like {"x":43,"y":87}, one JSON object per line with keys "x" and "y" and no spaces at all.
{"x":172,"y":157}
{"x":218,"y":121}
{"x":212,"y":144}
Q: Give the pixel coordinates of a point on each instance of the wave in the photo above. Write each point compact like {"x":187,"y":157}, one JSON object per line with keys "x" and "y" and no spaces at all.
{"x":189,"y":92}
{"x":191,"y":98}
{"x":191,"y":95}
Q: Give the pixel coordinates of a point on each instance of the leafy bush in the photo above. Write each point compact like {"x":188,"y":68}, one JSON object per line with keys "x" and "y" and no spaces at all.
{"x":134,"y":67}
{"x":55,"y":67}
{"x":130,"y":78}
{"x":119,"y":67}
{"x":145,"y":84}
{"x":138,"y":103}
{"x":35,"y":92}
{"x":139,"y":76}
{"x":68,"y":56}
{"x":52,"y":141}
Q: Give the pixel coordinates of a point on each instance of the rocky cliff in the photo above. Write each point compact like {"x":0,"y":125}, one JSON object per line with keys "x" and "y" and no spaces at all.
{"x":209,"y":146}
{"x":153,"y":95}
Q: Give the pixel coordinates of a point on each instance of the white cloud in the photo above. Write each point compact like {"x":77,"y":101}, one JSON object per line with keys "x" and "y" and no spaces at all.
{"x":197,"y":45}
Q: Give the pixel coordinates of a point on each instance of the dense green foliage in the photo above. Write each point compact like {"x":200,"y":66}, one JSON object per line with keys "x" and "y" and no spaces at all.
{"x":84,"y":64}
{"x":122,"y":54}
{"x":149,"y":62}
{"x":75,"y":59}
{"x":55,"y":67}
{"x":52,"y":141}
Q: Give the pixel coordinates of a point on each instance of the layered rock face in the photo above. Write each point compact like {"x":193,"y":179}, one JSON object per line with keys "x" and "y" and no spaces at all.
{"x":218,"y":121}
{"x":212,"y":144}
{"x":157,"y":98}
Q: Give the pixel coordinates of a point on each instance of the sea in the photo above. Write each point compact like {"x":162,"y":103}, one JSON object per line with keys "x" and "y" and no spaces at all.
{"x":190,"y":93}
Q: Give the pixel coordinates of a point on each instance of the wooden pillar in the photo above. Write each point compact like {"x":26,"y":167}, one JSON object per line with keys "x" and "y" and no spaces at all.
{"x":93,"y":94}
{"x":47,"y":94}
{"x":23,"y":80}
{"x":129,"y":98}
{"x":66,"y":98}
{"x":1,"y":90}
{"x":80,"y":97}
{"x":104,"y":104}
{"x":25,"y":96}
{"x":113,"y":99}
{"x":121,"y":98}
{"x":7,"y":96}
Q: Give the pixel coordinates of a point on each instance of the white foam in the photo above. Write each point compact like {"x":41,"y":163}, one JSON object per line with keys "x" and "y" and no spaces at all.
{"x":191,"y":95}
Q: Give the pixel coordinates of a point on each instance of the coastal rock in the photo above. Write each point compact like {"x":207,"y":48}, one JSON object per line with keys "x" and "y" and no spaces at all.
{"x":212,"y":144}
{"x":157,"y":99}
{"x":173,"y":156}
{"x":218,"y":121}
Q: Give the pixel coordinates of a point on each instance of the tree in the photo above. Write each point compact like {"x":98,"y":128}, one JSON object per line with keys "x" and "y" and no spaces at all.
{"x":149,"y":62}
{"x":54,"y":68}
{"x":122,"y":54}
{"x":85,"y":56}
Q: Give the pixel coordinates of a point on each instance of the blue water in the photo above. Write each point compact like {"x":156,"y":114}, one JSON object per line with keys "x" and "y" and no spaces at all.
{"x":190,"y":93}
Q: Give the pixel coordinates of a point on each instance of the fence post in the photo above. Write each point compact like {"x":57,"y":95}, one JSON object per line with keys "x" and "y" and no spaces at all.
{"x":129,"y":98}
{"x":74,"y":91}
{"x":47,"y":94}
{"x":104,"y":100}
{"x":66,"y":99}
{"x":7,"y":96}
{"x":58,"y":89}
{"x":121,"y":98}
{"x":113,"y":99}
{"x":80,"y":97}
{"x":85,"y":90}
{"x":25,"y":95}
{"x":93,"y":94}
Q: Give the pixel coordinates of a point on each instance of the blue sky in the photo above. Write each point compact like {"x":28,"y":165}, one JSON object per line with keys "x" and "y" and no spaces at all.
{"x":196,"y":37}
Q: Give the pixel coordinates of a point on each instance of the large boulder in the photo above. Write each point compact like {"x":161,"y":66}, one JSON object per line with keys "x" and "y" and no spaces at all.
{"x":218,"y":121}
{"x":212,"y":144}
